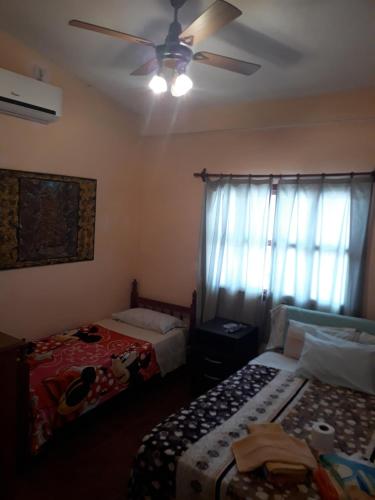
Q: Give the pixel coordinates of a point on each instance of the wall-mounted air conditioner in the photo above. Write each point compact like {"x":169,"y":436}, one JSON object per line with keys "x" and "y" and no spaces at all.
{"x":28,"y":98}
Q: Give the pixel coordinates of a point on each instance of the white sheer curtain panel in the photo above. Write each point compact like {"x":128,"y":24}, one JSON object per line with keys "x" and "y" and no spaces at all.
{"x":234,"y":239}
{"x":318,"y":242}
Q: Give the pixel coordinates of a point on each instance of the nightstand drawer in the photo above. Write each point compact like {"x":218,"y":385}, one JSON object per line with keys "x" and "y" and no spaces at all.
{"x":218,"y":369}
{"x":215,"y":362}
{"x":212,"y":367}
{"x":205,"y":361}
{"x":215,"y":345}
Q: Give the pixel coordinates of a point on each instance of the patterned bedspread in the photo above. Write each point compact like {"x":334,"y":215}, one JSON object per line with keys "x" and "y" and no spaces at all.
{"x":189,"y":454}
{"x":72,"y":373}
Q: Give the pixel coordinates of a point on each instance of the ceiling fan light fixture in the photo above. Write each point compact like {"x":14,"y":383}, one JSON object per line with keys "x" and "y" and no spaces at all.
{"x":181,"y":85}
{"x":158,"y":84}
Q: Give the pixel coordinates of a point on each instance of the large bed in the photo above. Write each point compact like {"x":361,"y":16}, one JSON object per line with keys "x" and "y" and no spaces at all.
{"x":73,"y":372}
{"x":189,"y":455}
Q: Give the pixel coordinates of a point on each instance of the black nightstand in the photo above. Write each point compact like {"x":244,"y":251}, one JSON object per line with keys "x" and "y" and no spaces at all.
{"x":216,"y":354}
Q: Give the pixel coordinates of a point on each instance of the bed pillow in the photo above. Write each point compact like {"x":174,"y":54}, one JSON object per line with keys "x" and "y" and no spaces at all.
{"x":295,"y":336}
{"x":366,"y":338}
{"x":338,"y":362}
{"x":149,"y":320}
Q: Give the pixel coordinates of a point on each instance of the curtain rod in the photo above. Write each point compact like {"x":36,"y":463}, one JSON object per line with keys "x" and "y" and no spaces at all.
{"x":204,"y":175}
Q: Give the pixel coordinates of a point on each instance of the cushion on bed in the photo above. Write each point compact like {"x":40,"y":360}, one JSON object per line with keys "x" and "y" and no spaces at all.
{"x":338,"y":362}
{"x":149,"y":320}
{"x":295,"y":336}
{"x":282,"y":314}
{"x":366,"y":338}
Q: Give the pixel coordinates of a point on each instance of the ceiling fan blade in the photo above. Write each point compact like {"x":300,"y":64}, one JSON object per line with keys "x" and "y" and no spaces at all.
{"x":223,"y":62}
{"x":146,"y":68}
{"x":215,"y":17}
{"x":110,"y":32}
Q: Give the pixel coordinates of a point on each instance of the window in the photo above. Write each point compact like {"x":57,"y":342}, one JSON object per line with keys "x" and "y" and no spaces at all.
{"x":301,"y":241}
{"x":306,"y":255}
{"x":239,"y":237}
{"x":316,"y":258}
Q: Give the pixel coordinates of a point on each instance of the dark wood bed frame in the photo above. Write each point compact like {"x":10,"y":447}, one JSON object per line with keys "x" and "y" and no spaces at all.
{"x":182,"y":312}
{"x":22,"y":446}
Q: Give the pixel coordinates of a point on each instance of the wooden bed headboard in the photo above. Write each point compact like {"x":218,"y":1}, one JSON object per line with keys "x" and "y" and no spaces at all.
{"x":182,"y":312}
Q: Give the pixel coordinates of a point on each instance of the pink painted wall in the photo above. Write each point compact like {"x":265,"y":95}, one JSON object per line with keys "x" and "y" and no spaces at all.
{"x":337,"y":107}
{"x":172,"y":197}
{"x":92,"y":139}
{"x":148,"y":203}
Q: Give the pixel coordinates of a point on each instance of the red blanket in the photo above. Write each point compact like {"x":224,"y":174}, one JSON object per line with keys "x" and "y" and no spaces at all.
{"x":72,"y":373}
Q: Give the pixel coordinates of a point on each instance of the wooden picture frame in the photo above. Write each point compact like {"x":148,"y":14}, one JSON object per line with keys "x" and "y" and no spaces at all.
{"x":45,"y":219}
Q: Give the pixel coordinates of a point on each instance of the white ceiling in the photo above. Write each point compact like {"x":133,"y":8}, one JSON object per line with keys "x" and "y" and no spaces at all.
{"x":304,"y":46}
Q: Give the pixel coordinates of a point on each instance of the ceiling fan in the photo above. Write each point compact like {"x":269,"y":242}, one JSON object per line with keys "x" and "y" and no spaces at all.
{"x":176,"y":52}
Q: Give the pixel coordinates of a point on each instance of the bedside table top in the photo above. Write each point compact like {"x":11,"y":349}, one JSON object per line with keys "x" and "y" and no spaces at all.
{"x":9,"y":342}
{"x":216,"y":326}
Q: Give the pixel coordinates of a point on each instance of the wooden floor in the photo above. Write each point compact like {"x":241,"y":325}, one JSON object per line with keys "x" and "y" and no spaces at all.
{"x":91,"y":459}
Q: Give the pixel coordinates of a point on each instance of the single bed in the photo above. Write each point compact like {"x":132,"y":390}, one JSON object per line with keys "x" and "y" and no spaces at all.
{"x":189,"y":455}
{"x":73,"y":372}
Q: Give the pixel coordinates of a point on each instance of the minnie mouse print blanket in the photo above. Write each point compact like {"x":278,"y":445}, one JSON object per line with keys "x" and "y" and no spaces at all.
{"x":73,"y":373}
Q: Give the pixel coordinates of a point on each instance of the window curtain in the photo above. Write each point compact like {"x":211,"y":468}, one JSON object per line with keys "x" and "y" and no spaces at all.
{"x":319,"y":243}
{"x":233,"y":253}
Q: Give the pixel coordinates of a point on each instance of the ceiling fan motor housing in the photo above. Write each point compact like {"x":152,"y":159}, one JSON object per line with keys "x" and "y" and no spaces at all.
{"x":175,"y":50}
{"x":177,"y":4}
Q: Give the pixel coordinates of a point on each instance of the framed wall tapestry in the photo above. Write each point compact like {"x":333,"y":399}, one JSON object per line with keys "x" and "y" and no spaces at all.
{"x":45,"y":219}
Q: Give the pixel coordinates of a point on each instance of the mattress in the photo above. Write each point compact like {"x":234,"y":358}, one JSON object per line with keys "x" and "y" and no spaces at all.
{"x":170,"y":348}
{"x":275,"y":360}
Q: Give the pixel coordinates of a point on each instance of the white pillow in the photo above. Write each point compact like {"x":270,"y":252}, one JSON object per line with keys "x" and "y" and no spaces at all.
{"x":366,"y":338}
{"x":338,"y":362}
{"x":148,"y":319}
{"x":295,"y":336}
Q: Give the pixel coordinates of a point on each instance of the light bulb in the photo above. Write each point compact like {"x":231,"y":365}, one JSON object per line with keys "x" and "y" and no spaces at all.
{"x":181,"y":85}
{"x":158,"y":84}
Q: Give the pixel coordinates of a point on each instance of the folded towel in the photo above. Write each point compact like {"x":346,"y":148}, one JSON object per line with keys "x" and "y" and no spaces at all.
{"x":269,"y":443}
